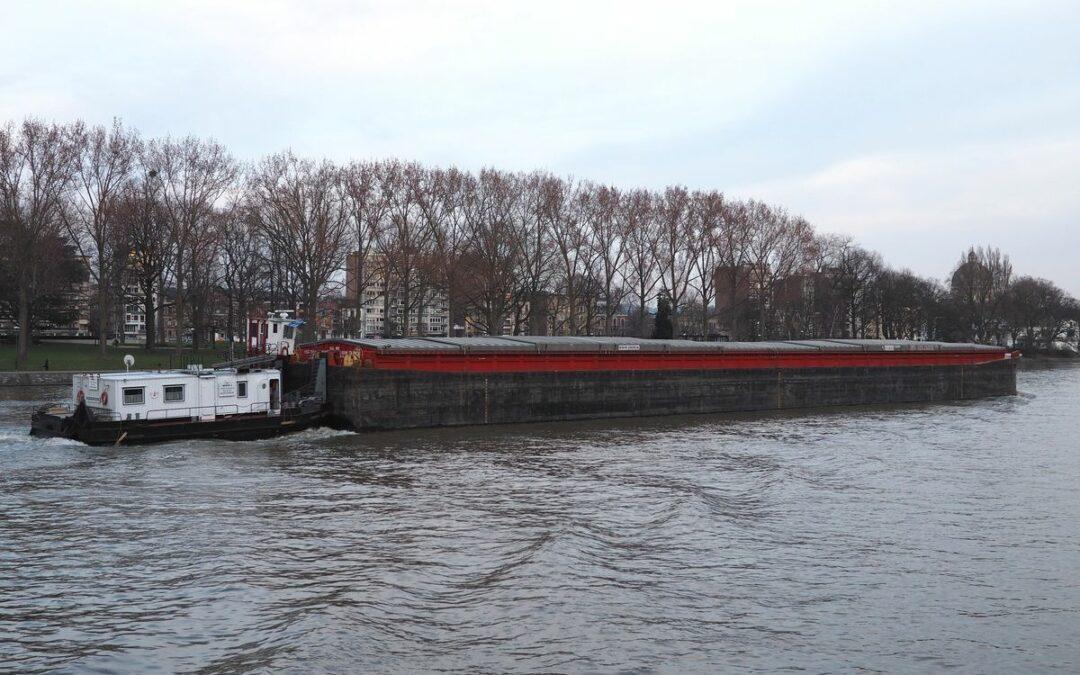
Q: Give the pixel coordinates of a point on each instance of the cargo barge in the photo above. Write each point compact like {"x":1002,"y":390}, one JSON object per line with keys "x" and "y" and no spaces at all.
{"x":431,"y":382}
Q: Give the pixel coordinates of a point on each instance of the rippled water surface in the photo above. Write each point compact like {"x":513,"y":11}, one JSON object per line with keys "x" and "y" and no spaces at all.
{"x":896,"y":539}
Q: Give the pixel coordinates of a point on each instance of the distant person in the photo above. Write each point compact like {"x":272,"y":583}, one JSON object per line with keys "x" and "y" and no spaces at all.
{"x":46,"y":366}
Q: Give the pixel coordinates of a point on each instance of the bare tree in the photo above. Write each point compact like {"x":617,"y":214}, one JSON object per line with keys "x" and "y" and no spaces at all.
{"x":673,"y":250}
{"x":777,"y":250}
{"x":141,"y":218}
{"x":445,"y":210}
{"x":855,"y":271}
{"x":193,"y":174}
{"x":106,"y":161}
{"x":243,"y":265}
{"x":978,"y":284}
{"x":491,"y":257}
{"x":367,"y":205}
{"x":733,"y":271}
{"x":609,"y":247}
{"x":300,"y":207}
{"x":204,"y":278}
{"x":1039,"y":313}
{"x":706,"y":226}
{"x":902,"y":303}
{"x":566,"y":211}
{"x":404,"y":243}
{"x":37,"y":162}
{"x":441,"y":197}
{"x":535,"y":250}
{"x":641,"y":231}
{"x":284,"y":290}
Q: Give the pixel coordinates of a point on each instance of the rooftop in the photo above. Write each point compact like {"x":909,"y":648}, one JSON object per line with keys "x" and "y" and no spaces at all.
{"x":136,"y":375}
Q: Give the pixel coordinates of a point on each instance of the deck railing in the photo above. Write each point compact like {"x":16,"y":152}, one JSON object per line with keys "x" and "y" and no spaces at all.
{"x":191,"y":412}
{"x":199,"y":411}
{"x":180,"y":413}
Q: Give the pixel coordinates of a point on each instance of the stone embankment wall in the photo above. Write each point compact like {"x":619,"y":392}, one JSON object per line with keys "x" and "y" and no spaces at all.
{"x":39,"y":378}
{"x":385,"y":399}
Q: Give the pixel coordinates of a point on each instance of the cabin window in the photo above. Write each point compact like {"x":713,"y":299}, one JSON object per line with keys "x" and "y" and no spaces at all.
{"x":174,"y":393}
{"x":134,"y":395}
{"x":287,"y":332}
{"x":241,"y":389}
{"x":275,"y":328}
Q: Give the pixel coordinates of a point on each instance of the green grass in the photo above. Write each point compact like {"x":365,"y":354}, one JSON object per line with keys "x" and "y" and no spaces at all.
{"x":83,"y":357}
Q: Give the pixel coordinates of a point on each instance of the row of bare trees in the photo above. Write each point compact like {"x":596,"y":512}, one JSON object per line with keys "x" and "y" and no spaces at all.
{"x":181,"y":223}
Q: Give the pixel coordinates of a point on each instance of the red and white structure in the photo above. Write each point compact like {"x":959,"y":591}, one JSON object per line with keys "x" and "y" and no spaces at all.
{"x":274,"y":333}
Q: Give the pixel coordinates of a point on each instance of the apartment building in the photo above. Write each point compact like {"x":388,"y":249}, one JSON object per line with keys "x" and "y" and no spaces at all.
{"x":377,"y":314}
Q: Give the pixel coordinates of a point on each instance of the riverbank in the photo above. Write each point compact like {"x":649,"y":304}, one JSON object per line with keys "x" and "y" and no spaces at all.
{"x":82,"y":357}
{"x":39,"y":378}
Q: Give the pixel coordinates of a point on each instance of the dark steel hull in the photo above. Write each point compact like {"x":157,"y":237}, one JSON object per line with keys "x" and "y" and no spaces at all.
{"x":374,"y":399}
{"x":136,"y":432}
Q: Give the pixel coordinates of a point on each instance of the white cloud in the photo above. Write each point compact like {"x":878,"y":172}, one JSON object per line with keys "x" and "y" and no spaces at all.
{"x":921,"y":208}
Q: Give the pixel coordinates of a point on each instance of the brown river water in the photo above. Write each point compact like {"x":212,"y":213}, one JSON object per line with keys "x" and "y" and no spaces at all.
{"x":899,"y":539}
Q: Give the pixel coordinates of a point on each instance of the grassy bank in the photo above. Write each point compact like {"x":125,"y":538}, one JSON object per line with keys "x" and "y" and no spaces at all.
{"x":66,"y":356}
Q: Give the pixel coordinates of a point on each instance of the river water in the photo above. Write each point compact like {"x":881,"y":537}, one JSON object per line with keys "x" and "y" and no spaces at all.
{"x":915,"y":538}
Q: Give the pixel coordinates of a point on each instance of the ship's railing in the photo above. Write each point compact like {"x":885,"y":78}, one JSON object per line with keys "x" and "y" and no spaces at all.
{"x":105,"y":414}
{"x":249,"y":362}
{"x":200,"y":411}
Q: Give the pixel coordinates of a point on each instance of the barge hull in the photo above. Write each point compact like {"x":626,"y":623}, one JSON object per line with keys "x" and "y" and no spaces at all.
{"x":372,"y":398}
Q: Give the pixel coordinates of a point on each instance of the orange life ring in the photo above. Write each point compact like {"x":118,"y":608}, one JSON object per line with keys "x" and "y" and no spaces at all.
{"x":105,"y":397}
{"x":80,"y":397}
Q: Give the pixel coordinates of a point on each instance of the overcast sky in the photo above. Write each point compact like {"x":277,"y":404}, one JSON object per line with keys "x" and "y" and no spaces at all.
{"x":918,"y":128}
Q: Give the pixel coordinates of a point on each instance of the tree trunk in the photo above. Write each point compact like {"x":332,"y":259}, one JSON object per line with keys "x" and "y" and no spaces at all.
{"x":23,"y":351}
{"x":179,"y":313}
{"x":733,"y":298}
{"x":103,"y":316}
{"x":386,"y":307}
{"x":159,"y":311}
{"x":451,"y":302}
{"x":151,"y":320}
{"x":196,"y":326}
{"x":179,"y":319}
{"x":230,"y":330}
{"x":245,"y":322}
{"x":359,"y":331}
{"x":312,"y":298}
{"x":608,"y":313}
{"x":406,"y":299}
{"x":762,"y":312}
{"x":121,"y":323}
